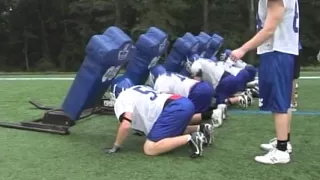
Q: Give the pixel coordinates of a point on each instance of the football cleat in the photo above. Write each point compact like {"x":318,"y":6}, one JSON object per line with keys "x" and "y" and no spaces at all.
{"x":207,"y":130}
{"x":293,"y":107}
{"x":196,"y":144}
{"x":272,"y":144}
{"x":250,"y":96}
{"x":217,"y":117}
{"x":243,"y":101}
{"x":255,"y":91}
{"x":253,"y":83}
{"x":224,"y":110}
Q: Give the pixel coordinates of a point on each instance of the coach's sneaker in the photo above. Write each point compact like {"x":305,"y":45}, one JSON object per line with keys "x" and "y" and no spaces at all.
{"x":274,"y":156}
{"x":272,"y":144}
{"x":196,"y":144}
{"x":217,"y":117}
{"x":243,"y":101}
{"x":224,"y":110}
{"x":207,"y":130}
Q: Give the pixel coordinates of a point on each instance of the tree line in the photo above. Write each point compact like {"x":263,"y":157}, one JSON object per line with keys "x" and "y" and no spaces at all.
{"x":51,"y":35}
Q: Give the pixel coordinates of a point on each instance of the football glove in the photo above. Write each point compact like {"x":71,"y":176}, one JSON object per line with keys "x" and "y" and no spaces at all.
{"x":112,"y":150}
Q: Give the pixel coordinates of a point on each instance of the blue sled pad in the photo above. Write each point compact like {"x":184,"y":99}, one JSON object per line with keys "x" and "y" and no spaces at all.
{"x":105,"y":55}
{"x":189,"y":57}
{"x":215,"y":45}
{"x":149,"y":48}
{"x":182,"y":48}
{"x":204,"y":43}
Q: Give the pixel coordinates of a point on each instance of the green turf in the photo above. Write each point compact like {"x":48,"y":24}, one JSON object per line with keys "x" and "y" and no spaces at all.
{"x":35,"y":156}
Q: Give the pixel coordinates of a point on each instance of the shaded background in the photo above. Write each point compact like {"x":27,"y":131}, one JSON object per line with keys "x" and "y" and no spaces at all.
{"x":50,"y":35}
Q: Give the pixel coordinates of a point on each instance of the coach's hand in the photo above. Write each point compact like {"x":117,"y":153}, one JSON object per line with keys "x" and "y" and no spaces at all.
{"x":237,"y":54}
{"x":114,"y":149}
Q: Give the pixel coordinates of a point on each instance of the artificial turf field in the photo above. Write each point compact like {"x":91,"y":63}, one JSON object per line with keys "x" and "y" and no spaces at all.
{"x":29,"y":155}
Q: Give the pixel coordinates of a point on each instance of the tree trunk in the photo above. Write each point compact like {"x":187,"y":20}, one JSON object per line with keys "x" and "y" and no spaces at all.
{"x":25,"y":52}
{"x":205,"y":15}
{"x":45,"y":46}
{"x":252,"y":28}
{"x":118,"y":13}
{"x":62,"y":61}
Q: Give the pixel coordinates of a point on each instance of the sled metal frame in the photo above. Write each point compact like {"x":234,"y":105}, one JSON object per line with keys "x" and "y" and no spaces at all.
{"x":55,"y":121}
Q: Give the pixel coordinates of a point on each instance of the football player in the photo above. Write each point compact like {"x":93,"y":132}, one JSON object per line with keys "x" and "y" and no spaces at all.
{"x":199,"y":92}
{"x":225,"y":84}
{"x":247,"y":71}
{"x":163,"y":118}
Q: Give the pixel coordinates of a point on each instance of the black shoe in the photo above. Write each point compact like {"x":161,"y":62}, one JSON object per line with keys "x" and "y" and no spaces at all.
{"x":196,"y":144}
{"x":207,"y":130}
{"x":255,"y":91}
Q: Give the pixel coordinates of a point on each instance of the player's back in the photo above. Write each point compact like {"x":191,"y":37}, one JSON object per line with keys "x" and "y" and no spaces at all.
{"x":286,"y":36}
{"x":145,"y":103}
{"x":174,"y":83}
{"x":211,"y":71}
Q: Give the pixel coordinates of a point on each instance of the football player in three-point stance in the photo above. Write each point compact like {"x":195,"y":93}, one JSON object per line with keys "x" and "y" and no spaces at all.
{"x":163,"y":118}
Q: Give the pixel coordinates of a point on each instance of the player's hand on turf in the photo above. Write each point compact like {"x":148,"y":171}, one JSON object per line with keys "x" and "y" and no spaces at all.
{"x":237,"y":54}
{"x":114,"y":149}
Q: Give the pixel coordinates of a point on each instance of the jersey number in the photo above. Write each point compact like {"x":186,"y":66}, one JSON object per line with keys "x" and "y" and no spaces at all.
{"x":296,"y":19}
{"x":144,"y":90}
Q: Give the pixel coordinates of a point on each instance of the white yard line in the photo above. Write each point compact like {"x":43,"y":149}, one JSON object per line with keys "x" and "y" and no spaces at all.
{"x":305,"y":77}
{"x":37,"y":79}
{"x":71,"y":78}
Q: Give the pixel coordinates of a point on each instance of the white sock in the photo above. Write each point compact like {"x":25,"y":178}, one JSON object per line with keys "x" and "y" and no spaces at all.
{"x":189,"y":137}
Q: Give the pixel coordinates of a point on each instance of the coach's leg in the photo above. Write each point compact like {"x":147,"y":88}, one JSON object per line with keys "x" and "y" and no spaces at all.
{"x":275,"y":96}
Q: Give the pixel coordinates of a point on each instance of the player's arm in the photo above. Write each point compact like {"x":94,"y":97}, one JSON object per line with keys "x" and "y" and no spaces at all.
{"x":123,"y":130}
{"x":275,"y":15}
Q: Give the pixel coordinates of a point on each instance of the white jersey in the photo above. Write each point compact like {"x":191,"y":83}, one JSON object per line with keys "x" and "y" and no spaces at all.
{"x":174,"y":83}
{"x":211,"y":71}
{"x":144,"y":103}
{"x":286,"y":36}
{"x":228,"y":67}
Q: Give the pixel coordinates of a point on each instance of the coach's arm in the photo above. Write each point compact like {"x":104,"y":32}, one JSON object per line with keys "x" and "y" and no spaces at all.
{"x":275,"y":15}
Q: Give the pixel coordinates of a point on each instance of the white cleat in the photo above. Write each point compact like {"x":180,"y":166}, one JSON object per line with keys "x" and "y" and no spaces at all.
{"x":216,"y":117}
{"x":274,"y":156}
{"x":224,"y":110}
{"x":253,"y":83}
{"x":272,"y":144}
{"x":293,"y":107}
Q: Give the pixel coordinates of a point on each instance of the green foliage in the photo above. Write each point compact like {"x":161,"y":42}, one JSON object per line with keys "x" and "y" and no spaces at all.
{"x":59,"y":30}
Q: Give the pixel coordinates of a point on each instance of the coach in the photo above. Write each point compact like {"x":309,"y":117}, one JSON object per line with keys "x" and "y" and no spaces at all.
{"x":277,"y":43}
